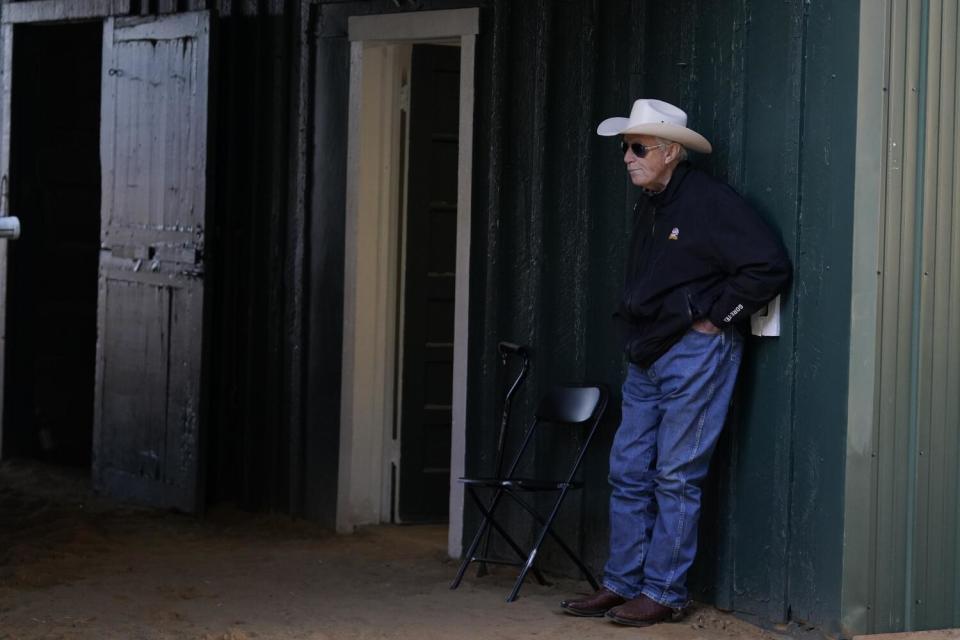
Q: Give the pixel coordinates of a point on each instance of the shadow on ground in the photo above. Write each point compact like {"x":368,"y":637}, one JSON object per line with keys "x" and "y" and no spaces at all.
{"x":74,"y":565}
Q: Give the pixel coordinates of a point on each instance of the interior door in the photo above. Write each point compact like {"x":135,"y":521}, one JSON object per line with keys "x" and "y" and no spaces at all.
{"x":150,"y":307}
{"x":430,"y":257}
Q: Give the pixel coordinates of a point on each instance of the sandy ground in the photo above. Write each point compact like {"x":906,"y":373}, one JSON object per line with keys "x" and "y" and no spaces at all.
{"x":73,"y":565}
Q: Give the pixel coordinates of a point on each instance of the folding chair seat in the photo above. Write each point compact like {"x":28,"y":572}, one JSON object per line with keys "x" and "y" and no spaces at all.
{"x":579,"y":407}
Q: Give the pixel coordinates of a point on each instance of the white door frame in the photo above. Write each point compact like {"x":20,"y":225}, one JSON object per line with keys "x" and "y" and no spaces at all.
{"x":368,"y":347}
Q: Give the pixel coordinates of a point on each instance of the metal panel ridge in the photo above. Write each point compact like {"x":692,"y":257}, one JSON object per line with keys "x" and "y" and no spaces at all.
{"x":912,"y":373}
{"x":869,"y":203}
{"x":902,"y":502}
{"x":935,"y":524}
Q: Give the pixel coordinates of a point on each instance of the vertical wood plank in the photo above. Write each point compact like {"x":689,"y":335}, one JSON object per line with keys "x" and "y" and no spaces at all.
{"x":326,"y":264}
{"x":6,"y":68}
{"x":295,"y":260}
{"x":487,"y":293}
{"x":615,"y":51}
{"x":108,"y":129}
{"x":767,"y":374}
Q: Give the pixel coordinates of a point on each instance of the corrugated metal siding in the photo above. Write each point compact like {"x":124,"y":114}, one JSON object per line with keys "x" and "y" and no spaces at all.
{"x":915,"y":490}
{"x":938,"y":498}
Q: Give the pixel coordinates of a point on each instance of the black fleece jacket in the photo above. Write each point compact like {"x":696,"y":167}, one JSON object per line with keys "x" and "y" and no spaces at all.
{"x":698,"y":251}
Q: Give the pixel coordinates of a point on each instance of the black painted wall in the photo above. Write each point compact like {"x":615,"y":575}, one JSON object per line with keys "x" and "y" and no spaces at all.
{"x":254,"y":305}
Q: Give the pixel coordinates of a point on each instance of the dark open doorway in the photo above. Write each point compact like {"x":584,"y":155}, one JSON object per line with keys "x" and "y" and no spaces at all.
{"x":430,"y":257}
{"x":52,"y":279}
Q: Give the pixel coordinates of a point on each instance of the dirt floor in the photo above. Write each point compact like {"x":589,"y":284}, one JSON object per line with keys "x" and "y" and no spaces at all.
{"x":73,"y":565}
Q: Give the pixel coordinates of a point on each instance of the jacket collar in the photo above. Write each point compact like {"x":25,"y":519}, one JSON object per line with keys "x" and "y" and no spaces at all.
{"x":668,"y":194}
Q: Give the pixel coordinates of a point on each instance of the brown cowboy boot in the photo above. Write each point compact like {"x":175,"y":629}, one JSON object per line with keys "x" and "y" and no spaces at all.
{"x":593,"y":606}
{"x":642,"y":612}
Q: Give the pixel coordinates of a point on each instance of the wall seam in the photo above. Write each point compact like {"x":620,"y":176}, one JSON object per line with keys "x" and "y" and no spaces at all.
{"x":798,"y":243}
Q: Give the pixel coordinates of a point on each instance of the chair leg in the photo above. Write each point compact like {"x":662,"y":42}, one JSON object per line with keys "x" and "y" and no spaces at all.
{"x":488,"y":519}
{"x":468,"y":555}
{"x":516,"y":548}
{"x":563,"y":545}
{"x":528,"y":565}
{"x":546,"y":530}
{"x":482,"y":568}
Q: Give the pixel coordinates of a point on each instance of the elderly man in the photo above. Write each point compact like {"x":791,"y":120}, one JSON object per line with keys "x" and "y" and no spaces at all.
{"x":701,"y":261}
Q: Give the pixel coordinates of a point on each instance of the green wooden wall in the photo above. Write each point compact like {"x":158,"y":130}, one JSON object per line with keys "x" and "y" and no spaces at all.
{"x":773,"y":86}
{"x":777,"y":83}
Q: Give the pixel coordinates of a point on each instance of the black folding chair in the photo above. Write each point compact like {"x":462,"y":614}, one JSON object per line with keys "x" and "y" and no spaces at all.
{"x":516,"y":351}
{"x":569,"y":407}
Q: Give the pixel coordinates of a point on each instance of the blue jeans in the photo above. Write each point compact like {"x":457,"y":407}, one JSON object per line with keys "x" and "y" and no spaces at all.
{"x":673,"y":414}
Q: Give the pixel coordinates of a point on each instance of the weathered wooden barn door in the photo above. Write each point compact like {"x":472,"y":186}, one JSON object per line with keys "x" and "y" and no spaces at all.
{"x":154,"y":162}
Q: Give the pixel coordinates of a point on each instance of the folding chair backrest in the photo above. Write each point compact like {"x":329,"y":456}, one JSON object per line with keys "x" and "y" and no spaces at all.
{"x":566,"y":406}
{"x":569,"y":405}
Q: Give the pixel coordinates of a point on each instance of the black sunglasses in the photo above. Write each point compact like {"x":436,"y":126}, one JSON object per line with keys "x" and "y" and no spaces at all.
{"x":639,"y":150}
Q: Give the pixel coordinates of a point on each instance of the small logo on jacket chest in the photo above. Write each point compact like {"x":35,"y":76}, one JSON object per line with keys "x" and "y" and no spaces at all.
{"x":674,"y":234}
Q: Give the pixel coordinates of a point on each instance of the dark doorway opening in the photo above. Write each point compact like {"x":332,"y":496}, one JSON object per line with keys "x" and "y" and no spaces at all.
{"x":52,"y":269}
{"x":430,"y":256}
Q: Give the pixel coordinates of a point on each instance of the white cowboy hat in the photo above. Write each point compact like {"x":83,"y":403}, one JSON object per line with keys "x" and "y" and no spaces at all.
{"x":656,"y":118}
